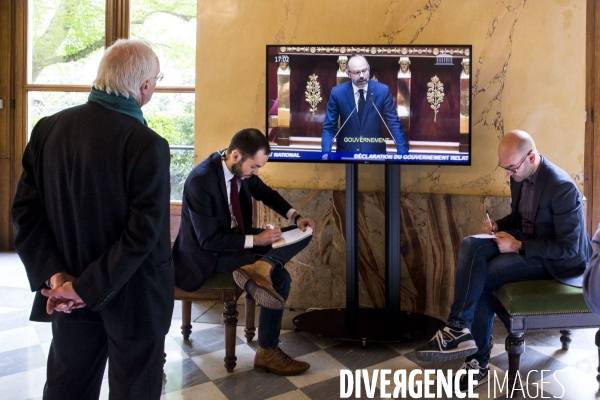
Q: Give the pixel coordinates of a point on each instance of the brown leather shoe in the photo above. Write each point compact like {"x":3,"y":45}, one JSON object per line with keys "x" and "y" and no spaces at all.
{"x":277,"y":362}
{"x":256,"y":280}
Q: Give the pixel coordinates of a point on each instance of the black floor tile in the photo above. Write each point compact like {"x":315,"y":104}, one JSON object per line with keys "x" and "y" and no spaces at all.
{"x":354,"y":357}
{"x":253,"y":385}
{"x":14,"y":319}
{"x":19,"y":360}
{"x":205,"y":341}
{"x":182,"y":374}
{"x":330,"y":389}
{"x":296,"y":345}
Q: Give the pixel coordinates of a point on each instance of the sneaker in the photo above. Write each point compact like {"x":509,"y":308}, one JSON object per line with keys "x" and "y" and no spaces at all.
{"x":480,"y":377}
{"x":447,"y":344}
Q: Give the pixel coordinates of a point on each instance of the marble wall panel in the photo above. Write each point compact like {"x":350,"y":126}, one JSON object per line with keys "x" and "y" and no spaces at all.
{"x":432,"y":229}
{"x":310,"y":269}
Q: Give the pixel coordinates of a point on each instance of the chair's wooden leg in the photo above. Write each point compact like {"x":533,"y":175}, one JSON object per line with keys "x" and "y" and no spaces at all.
{"x":230,"y":322}
{"x":249,"y":305}
{"x":515,"y":346}
{"x":565,"y":338}
{"x":598,"y":346}
{"x":186,"y":319}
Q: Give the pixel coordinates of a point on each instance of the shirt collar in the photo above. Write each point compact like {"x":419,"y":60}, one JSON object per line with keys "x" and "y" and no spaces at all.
{"x":228,"y":174}
{"x":533,"y":177}
{"x":356,"y":88}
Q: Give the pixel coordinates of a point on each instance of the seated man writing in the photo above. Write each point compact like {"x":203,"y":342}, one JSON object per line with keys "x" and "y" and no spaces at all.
{"x":543,"y":237}
{"x":216,"y":235}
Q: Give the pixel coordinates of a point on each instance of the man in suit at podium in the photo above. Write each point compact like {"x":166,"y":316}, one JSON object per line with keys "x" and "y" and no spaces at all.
{"x":366,"y":111}
{"x":216,"y":234}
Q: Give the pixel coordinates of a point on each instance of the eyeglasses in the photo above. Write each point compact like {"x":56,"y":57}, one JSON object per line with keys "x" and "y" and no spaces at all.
{"x":357,"y":73}
{"x":514,"y":170}
{"x":159,"y":77}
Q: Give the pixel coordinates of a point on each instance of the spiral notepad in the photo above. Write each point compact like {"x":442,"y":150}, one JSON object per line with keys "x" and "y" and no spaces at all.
{"x":292,"y":236}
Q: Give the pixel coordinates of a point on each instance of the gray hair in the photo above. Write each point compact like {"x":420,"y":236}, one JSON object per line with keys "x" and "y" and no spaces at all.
{"x":125,"y":66}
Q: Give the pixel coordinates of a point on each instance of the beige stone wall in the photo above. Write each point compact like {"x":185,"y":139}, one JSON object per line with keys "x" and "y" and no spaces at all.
{"x":528,"y":64}
{"x":528,"y":72}
{"x":432,"y":228}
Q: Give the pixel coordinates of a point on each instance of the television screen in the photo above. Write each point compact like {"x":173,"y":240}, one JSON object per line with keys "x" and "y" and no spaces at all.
{"x":369,"y":103}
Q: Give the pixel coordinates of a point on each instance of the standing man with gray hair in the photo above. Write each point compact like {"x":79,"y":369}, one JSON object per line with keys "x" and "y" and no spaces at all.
{"x":92,"y":218}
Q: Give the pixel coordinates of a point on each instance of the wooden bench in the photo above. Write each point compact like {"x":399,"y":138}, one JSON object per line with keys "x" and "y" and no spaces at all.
{"x":535,"y":305}
{"x":221,"y":288}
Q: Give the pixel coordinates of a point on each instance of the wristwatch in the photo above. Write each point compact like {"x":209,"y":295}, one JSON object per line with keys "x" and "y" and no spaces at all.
{"x":521,"y":249}
{"x":296,"y":219}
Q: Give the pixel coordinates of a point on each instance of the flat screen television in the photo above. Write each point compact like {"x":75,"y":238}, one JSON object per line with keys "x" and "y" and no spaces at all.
{"x":415,"y":109}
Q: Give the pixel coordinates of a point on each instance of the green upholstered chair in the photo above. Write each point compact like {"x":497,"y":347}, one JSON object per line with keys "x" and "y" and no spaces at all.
{"x":534,"y":305}
{"x":222,"y":288}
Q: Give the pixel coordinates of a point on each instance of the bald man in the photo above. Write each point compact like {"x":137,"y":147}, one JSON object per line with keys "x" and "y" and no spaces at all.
{"x":544,"y":237}
{"x":365,"y":110}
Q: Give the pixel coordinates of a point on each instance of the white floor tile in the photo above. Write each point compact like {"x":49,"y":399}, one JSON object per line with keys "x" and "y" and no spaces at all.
{"x":17,"y":278}
{"x":173,"y":350}
{"x":322,"y":367}
{"x":239,"y":332}
{"x":212,"y":364}
{"x":175,"y":329}
{"x":200,"y":392}
{"x":104,"y":389}
{"x":4,"y":310}
{"x":18,"y":338}
{"x":569,"y":357}
{"x":570,"y":384}
{"x":24,"y":385}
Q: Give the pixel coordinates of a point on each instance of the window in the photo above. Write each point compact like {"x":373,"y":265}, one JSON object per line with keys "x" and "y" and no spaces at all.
{"x":64,"y":44}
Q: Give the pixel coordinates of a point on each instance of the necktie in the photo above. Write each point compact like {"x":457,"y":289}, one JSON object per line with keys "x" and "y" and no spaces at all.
{"x":235,"y":204}
{"x":361,"y":103}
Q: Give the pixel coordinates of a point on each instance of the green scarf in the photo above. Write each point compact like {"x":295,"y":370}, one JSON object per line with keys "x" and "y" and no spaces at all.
{"x":117,"y":103}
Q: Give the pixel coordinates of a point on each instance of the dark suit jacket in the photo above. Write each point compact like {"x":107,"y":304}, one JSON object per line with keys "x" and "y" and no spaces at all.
{"x":93,"y":200}
{"x":560,"y":237}
{"x":591,"y":279}
{"x":368,"y":136}
{"x":205,"y":231}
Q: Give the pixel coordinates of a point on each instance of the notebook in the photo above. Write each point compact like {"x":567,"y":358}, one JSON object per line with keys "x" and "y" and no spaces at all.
{"x":292,"y":236}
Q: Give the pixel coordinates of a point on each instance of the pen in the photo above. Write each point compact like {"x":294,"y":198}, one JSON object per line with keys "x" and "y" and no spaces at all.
{"x":489,"y":220}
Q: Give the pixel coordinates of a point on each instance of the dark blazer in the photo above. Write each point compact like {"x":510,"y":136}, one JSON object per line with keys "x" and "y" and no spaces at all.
{"x":93,"y":200}
{"x":560,"y":237}
{"x":205,"y":232}
{"x":591,"y":279}
{"x":365,"y":137}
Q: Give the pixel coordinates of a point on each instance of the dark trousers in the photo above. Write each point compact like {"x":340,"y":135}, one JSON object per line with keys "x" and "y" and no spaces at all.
{"x":481,"y":269}
{"x":269,"y":321}
{"x":77,"y":360}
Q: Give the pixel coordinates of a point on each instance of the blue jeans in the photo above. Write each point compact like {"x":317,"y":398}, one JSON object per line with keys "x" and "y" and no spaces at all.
{"x":481,"y":269}
{"x":269,"y":321}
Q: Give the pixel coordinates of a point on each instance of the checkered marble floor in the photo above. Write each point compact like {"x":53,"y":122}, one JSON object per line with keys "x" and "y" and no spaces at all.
{"x":194,"y":369}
